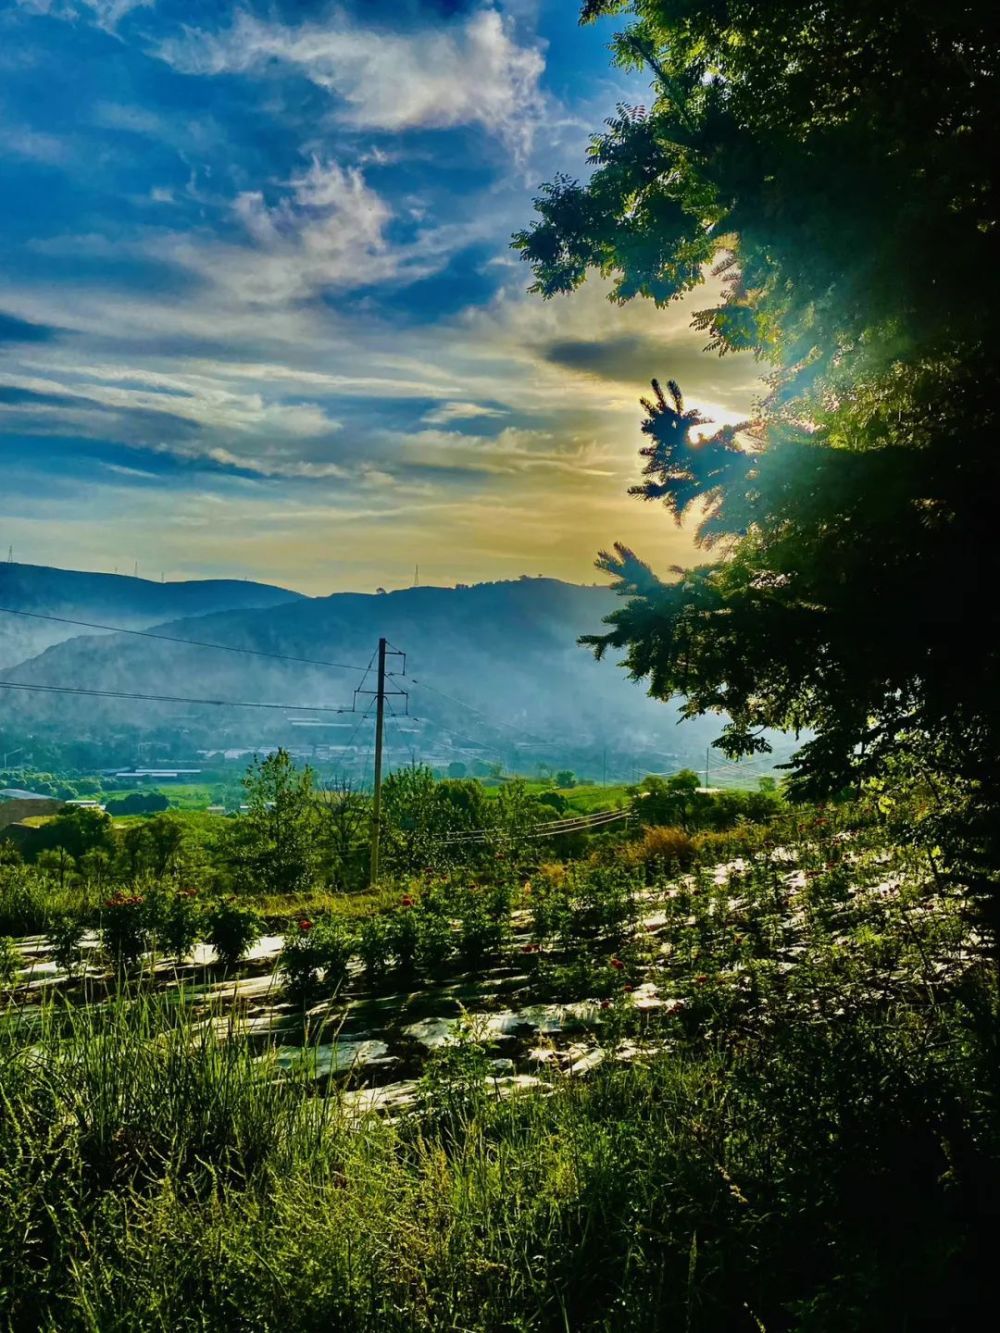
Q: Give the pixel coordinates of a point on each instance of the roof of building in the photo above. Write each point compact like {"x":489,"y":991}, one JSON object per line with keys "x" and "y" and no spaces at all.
{"x":16,"y":794}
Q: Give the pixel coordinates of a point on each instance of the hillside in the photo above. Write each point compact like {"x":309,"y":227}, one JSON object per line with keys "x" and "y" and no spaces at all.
{"x":113,"y":598}
{"x":493,"y":668}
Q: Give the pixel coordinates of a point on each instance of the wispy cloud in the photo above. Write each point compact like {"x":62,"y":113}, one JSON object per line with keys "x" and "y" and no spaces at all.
{"x":105,"y":14}
{"x":471,"y":71}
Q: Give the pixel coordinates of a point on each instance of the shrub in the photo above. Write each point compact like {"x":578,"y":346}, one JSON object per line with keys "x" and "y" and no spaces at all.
{"x":662,"y":848}
{"x":482,"y":934}
{"x":124,"y":928}
{"x":233,"y":929}
{"x":65,"y":935}
{"x":24,"y":900}
{"x":601,"y":905}
{"x":375,"y":945}
{"x":435,"y":937}
{"x":404,"y":935}
{"x":315,"y":956}
{"x":180,"y":923}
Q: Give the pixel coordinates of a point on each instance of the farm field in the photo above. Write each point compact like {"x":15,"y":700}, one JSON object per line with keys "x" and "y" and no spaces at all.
{"x":507,"y":1098}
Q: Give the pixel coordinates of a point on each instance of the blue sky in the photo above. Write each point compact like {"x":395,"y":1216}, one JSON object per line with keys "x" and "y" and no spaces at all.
{"x":258,"y":311}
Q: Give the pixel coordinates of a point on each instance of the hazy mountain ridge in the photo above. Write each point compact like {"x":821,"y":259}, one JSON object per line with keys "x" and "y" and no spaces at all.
{"x":507,"y":650}
{"x":115,"y":599}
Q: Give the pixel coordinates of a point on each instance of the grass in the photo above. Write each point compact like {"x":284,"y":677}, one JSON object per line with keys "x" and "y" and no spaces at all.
{"x":814,"y":1146}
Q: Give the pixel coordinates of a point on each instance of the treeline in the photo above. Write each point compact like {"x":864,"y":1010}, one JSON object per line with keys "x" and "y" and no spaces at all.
{"x":294,"y":837}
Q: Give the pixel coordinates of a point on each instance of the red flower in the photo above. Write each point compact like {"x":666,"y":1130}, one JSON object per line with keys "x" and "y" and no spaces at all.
{"x":605,"y":1004}
{"x":530,"y":948}
{"x":701,"y":979}
{"x":628,"y":988}
{"x":617,"y":964}
{"x":305,"y":925}
{"x":406,"y":901}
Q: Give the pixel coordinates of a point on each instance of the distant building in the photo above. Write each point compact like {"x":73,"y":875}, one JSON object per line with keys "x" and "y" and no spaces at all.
{"x":17,"y":794}
{"x":16,"y":805}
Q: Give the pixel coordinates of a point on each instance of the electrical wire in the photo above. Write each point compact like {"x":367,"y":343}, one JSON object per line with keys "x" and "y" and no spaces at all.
{"x":170,"y":698}
{"x":192,"y":643}
{"x":494,"y":722}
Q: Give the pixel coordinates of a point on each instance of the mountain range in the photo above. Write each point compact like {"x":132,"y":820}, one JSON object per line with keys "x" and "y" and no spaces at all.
{"x":115,"y":599}
{"x":490,"y":670}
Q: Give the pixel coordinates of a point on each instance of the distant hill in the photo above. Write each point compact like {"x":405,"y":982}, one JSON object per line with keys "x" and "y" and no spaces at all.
{"x":109,"y":599}
{"x":492,"y":670}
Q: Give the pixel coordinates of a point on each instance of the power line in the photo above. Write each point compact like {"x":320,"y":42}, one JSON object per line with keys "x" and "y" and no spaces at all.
{"x":364,"y":717}
{"x":548,"y":828}
{"x":191,"y":643}
{"x":171,"y":698}
{"x":494,"y":722}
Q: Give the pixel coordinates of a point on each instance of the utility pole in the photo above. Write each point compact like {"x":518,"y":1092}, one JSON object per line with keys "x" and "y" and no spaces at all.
{"x":377,"y":799}
{"x":381,"y":694}
{"x":706,"y":765}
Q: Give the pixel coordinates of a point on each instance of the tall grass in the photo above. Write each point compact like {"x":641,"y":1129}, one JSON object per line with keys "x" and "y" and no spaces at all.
{"x":815,"y":1148}
{"x":824,"y":1175}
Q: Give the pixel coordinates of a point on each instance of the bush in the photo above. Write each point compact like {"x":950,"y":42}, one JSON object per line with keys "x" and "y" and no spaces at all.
{"x":65,"y":935}
{"x":233,"y":929}
{"x":482,"y":933}
{"x":137,"y":803}
{"x":662,"y":849}
{"x":124,"y":928}
{"x":179,"y":921}
{"x":404,"y":934}
{"x":25,"y":899}
{"x":375,"y":945}
{"x":315,"y":956}
{"x":435,"y":937}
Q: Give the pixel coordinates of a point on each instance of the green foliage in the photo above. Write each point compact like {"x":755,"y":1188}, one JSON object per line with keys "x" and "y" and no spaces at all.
{"x":806,"y":1136}
{"x":178,"y":920}
{"x":233,"y":928}
{"x":315,"y":956}
{"x":833,"y":163}
{"x":65,"y":935}
{"x":483,"y":930}
{"x":10,"y":961}
{"x":75,"y":832}
{"x":137,"y":803}
{"x":125,"y":928}
{"x":156,"y":847}
{"x":374,"y":943}
{"x":24,"y":900}
{"x":273,"y":846}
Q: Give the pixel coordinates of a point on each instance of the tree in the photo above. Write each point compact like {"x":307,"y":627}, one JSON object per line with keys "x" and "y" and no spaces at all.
{"x":344,"y":814}
{"x":565,"y":778}
{"x":273,"y":846}
{"x":57,"y":862}
{"x":832,"y":162}
{"x":78,"y":830}
{"x":137,"y":803}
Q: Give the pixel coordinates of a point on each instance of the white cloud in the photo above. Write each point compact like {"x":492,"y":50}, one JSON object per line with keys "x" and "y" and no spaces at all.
{"x":21,"y":141}
{"x":106,"y":14}
{"x":449,"y":412}
{"x":327,"y":233}
{"x":471,"y":72}
{"x":213,"y":407}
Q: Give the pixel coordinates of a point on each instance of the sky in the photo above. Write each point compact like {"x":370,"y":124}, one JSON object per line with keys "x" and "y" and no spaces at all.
{"x":259,"y":315}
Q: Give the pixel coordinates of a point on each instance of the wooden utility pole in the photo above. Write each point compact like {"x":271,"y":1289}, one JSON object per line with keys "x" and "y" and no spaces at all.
{"x":377,"y":798}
